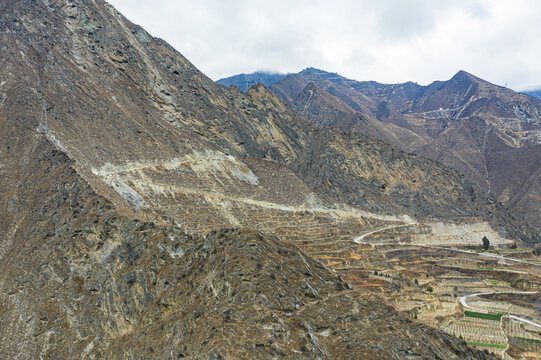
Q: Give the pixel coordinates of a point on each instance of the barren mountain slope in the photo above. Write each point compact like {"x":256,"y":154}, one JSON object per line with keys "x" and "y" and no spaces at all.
{"x":79,"y":280}
{"x":118,"y":158}
{"x":466,"y":123}
{"x":324,"y":109}
{"x":134,"y":113}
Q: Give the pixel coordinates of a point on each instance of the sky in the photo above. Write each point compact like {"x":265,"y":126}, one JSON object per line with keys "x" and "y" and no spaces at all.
{"x":389,"y":41}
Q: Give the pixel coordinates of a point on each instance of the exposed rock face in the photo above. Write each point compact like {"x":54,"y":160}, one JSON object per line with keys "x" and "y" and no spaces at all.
{"x":489,"y":133}
{"x":118,"y":157}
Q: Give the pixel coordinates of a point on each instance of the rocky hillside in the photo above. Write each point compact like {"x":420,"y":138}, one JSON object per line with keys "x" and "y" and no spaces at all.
{"x":246,"y":81}
{"x":122,"y":164}
{"x":81,"y":281}
{"x":489,"y":133}
{"x":144,"y":126}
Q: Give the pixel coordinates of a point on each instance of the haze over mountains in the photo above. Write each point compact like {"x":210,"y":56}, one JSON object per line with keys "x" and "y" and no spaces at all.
{"x":487,"y":132}
{"x":246,"y":81}
{"x":148,"y":212}
{"x":536,"y":93}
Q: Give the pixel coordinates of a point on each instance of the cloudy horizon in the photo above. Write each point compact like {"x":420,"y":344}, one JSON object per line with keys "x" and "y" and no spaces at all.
{"x":386,"y":41}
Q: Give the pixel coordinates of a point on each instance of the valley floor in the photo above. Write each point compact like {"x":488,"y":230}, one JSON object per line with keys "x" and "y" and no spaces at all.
{"x":490,"y":299}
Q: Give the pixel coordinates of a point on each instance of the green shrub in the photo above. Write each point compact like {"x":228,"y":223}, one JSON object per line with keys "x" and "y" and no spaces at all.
{"x":486,"y":243}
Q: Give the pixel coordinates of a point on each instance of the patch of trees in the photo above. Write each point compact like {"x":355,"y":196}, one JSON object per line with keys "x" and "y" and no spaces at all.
{"x":486,"y":243}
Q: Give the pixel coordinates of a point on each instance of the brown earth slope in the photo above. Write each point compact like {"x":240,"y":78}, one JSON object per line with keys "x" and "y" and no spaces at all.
{"x":81,"y":281}
{"x":489,"y":133}
{"x":119,"y":158}
{"x":128,"y":107}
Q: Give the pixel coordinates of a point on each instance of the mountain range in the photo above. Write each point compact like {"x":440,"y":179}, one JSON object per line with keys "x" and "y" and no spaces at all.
{"x":246,"y":81}
{"x":536,"y":93}
{"x":148,"y":212}
{"x":489,"y":133}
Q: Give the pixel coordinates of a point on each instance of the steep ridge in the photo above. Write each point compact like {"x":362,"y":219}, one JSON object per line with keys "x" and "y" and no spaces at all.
{"x":466,"y":123}
{"x":119,"y":158}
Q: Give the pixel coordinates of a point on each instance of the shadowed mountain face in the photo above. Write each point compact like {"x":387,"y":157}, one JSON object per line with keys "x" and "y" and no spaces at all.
{"x":536,"y":93}
{"x":489,"y":133}
{"x":246,"y":81}
{"x":121,"y":164}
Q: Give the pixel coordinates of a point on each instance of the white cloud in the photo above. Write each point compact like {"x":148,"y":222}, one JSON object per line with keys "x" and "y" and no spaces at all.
{"x":387,"y":40}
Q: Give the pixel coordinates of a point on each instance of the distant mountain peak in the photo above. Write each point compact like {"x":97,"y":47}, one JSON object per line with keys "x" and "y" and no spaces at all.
{"x":245,"y":81}
{"x":313,"y":70}
{"x":463,"y":75}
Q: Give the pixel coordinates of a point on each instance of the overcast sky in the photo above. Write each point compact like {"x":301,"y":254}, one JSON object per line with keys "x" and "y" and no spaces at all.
{"x":388,"y":41}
